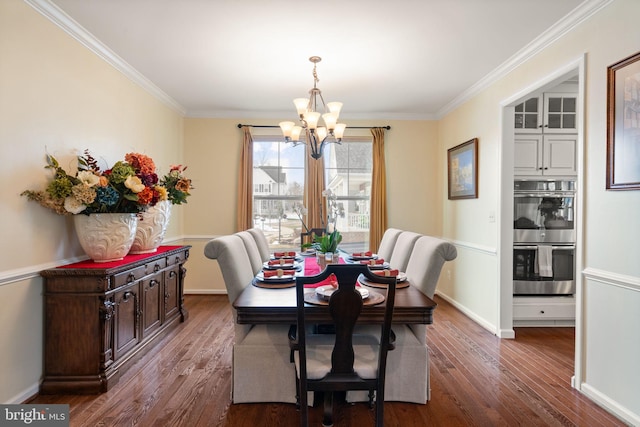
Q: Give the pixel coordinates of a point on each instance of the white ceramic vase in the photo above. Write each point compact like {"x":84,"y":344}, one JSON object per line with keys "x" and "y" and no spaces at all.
{"x":151,"y":228}
{"x":106,"y":236}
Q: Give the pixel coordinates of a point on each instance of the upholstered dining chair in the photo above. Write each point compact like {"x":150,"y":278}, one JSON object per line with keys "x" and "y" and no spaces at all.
{"x":261,"y":241}
{"x":425,"y":263}
{"x":342,"y":361}
{"x":261,"y":353}
{"x":387,"y":243}
{"x":251,"y":246}
{"x":309,"y":236}
{"x":402,"y":250}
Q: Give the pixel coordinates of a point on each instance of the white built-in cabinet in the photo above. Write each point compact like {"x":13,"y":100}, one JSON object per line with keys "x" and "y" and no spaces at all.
{"x":539,"y":155}
{"x":546,"y":135}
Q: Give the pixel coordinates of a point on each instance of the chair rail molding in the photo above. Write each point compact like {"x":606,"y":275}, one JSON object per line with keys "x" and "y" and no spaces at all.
{"x":613,"y":279}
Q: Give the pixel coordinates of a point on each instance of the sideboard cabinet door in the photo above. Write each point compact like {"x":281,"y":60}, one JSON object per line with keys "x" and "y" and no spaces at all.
{"x":126,"y":319}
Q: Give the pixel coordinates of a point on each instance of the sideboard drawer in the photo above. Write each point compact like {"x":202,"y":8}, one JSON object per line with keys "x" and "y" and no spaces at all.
{"x":177,"y":259}
{"x":130,"y":276}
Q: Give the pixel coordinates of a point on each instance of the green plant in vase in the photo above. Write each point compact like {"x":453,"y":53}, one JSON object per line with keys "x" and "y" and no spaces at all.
{"x":326,"y":247}
{"x":328,"y":242}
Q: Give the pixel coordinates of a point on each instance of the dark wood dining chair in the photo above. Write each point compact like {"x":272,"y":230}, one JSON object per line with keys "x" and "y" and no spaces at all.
{"x":309,"y":236}
{"x":342,"y":361}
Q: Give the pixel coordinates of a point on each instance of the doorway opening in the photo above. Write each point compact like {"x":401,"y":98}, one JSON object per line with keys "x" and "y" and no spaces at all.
{"x":574,"y":73}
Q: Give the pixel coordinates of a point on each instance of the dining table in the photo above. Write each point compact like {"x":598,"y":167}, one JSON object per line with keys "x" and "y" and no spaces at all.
{"x":258,"y":304}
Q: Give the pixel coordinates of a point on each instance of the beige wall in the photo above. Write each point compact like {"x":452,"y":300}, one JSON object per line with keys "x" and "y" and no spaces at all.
{"x":57,"y":97}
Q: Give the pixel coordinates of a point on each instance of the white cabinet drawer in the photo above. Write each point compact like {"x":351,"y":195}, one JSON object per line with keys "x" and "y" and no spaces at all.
{"x":544,"y":311}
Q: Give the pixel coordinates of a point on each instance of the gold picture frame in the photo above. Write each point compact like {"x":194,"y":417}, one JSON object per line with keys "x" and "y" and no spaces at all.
{"x":623,"y":124}
{"x":462,"y":170}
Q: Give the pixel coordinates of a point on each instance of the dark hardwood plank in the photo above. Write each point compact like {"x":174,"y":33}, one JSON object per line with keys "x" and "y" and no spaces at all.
{"x":477,"y":379}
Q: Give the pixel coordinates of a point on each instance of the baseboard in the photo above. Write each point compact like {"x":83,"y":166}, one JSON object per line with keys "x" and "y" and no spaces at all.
{"x":470,"y":314}
{"x":205,"y":292}
{"x":24,"y":396}
{"x":610,"y":405}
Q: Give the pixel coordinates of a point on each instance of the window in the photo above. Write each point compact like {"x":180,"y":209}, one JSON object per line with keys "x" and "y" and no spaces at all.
{"x":278,"y":187}
{"x":348,"y":174}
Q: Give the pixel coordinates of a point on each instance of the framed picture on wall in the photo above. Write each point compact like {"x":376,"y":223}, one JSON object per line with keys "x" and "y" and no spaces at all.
{"x":623,"y":124}
{"x":462,"y":168}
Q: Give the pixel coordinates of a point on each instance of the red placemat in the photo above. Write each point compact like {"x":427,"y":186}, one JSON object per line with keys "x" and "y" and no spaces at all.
{"x":127,"y":259}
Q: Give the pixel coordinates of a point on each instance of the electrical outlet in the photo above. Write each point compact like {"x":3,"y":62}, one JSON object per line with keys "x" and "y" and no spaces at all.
{"x":492,"y":216}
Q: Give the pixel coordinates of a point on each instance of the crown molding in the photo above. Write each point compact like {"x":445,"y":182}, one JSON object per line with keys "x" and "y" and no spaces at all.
{"x":75,"y":30}
{"x":574,"y":18}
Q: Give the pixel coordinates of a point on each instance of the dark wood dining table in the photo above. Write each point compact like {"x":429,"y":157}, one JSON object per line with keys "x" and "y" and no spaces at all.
{"x":257,"y":305}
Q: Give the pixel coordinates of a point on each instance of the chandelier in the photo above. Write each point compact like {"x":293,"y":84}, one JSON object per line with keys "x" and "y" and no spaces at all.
{"x":317,"y":136}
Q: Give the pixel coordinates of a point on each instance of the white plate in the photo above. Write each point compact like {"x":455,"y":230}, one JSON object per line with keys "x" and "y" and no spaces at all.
{"x":289,"y":264}
{"x":382,"y":266}
{"x":325,"y":291}
{"x":283,"y":278}
{"x":363,"y":258}
{"x":400,"y":278}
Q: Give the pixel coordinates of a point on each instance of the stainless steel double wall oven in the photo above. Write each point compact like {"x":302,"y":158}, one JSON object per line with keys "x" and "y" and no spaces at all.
{"x":544,"y":237}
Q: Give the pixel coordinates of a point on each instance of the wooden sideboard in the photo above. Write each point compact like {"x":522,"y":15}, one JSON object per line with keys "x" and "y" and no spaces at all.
{"x":99,"y":317}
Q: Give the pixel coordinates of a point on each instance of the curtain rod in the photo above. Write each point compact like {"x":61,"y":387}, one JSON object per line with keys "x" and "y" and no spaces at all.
{"x":348,"y":127}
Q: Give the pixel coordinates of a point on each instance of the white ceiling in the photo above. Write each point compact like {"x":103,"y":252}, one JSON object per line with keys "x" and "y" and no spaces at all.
{"x":383,"y":59}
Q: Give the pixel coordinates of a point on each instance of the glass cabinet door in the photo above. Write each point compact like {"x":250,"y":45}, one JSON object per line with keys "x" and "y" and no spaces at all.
{"x":560,"y":112}
{"x":528,"y":115}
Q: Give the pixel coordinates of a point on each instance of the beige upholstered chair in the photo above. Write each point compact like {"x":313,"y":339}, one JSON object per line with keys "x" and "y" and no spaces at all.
{"x":423,"y":271}
{"x":261,"y":354}
{"x":402,"y":250}
{"x":261,"y":241}
{"x":252,"y":250}
{"x":388,"y":242}
{"x":426,"y":258}
{"x":425,"y":264}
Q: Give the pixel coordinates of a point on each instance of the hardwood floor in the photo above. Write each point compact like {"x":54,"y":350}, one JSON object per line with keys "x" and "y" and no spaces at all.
{"x":476,"y":380}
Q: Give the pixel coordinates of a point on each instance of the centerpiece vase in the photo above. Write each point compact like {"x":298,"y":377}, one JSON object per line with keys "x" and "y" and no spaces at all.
{"x":152,"y":227}
{"x":106,"y":237}
{"x":324,"y":258}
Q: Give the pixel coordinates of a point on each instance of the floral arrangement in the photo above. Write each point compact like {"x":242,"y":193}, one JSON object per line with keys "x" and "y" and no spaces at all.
{"x":301,"y":211}
{"x":129,"y":186}
{"x":335,"y":210}
{"x":176,"y":184}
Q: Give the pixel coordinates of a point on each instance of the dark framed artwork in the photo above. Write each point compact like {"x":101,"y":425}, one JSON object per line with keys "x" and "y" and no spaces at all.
{"x":623,"y":124}
{"x":462,"y":168}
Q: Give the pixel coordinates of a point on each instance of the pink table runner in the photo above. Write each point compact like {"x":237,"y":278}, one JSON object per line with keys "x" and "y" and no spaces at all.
{"x":311,"y":268}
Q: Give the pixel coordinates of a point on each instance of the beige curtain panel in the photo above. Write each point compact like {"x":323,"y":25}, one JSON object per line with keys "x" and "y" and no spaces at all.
{"x":378,"y":208}
{"x":244,"y":219}
{"x":314,"y":186}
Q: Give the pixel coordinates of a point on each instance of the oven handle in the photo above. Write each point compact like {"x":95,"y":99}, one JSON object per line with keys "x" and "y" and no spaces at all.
{"x":532,"y":247}
{"x":567,"y":194}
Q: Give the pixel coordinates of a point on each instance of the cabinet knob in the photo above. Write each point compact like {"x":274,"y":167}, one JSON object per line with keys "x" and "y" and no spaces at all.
{"x":156,"y":268}
{"x":131,"y":277}
{"x":541,"y":311}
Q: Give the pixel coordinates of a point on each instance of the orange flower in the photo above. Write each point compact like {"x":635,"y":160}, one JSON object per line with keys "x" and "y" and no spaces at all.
{"x":141,"y":163}
{"x":146,"y":196}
